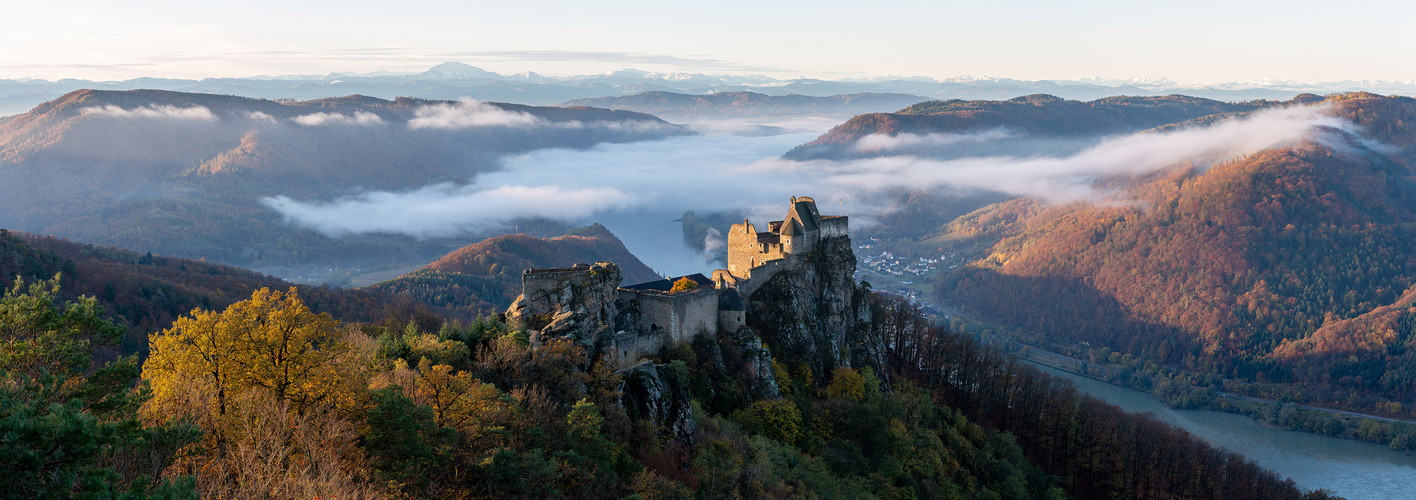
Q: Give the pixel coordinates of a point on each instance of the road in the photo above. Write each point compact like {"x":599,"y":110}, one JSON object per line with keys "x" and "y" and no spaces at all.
{"x":1318,"y":408}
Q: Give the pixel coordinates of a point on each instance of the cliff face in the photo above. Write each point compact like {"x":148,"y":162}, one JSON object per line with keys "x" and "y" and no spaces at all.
{"x":811,"y":312}
{"x":570,"y":303}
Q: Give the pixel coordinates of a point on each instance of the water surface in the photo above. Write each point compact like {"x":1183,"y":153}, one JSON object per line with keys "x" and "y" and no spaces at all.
{"x":1354,"y":469}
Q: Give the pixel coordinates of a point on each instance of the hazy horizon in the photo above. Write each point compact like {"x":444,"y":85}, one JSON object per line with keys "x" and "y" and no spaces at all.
{"x":1206,"y":41}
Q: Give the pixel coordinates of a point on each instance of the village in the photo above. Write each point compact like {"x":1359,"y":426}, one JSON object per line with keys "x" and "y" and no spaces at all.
{"x":909,"y":276}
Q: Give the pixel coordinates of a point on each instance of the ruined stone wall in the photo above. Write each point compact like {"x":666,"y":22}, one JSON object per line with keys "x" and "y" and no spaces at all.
{"x":679,"y":316}
{"x":759,"y":275}
{"x":746,"y":250}
{"x":576,"y":302}
{"x":835,"y":226}
{"x":731,"y":321}
{"x":742,"y":247}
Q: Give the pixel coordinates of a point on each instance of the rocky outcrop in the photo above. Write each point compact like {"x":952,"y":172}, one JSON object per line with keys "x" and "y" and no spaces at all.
{"x":660,"y":394}
{"x":760,"y":378}
{"x":576,"y":302}
{"x":811,"y":312}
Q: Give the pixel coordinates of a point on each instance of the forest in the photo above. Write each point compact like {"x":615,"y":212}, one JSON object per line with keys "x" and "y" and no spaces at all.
{"x":266,"y":398}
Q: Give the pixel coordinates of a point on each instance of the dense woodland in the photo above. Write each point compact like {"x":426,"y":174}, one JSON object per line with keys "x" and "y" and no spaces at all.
{"x":1288,"y":270}
{"x":265,"y":398}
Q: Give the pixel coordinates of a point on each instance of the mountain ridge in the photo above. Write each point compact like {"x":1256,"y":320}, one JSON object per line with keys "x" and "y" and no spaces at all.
{"x":181,"y":173}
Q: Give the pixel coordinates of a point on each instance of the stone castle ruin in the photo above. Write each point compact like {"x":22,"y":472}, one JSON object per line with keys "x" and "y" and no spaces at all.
{"x":586,"y":302}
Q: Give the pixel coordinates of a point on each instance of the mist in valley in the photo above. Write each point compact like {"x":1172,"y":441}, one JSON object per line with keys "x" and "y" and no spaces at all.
{"x":638,"y":189}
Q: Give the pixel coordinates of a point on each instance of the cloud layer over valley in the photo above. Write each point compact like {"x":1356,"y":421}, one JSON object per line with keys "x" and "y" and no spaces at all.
{"x":716,"y":172}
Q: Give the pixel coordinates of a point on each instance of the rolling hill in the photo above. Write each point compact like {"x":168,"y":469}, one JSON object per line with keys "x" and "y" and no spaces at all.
{"x":1290,"y":271}
{"x":1033,"y":116}
{"x":485,"y":277}
{"x":146,"y":293}
{"x":182,"y":174}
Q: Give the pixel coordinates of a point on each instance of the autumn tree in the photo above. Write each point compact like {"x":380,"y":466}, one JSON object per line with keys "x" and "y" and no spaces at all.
{"x":271,"y":341}
{"x":683,"y":284}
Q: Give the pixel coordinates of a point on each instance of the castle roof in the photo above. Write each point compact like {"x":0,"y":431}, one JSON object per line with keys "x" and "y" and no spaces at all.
{"x":791,"y":228}
{"x":665,"y":285}
{"x":803,"y":211}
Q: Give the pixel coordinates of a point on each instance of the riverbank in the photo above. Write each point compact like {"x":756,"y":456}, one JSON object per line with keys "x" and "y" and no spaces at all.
{"x":1175,"y":391}
{"x":1353,"y":469}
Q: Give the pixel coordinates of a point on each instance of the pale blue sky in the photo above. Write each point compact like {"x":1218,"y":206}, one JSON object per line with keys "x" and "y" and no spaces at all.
{"x":1191,"y":42}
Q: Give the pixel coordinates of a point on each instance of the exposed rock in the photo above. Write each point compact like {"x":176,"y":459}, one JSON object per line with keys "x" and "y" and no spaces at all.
{"x":811,"y":312}
{"x":763,"y":381}
{"x":576,"y":303}
{"x":659,"y":393}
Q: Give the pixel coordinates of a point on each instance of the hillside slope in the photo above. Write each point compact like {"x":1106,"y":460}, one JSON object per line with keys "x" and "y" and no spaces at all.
{"x":485,"y":277}
{"x":146,"y":293}
{"x":1034,"y":116}
{"x":182,"y":174}
{"x":1291,"y":267}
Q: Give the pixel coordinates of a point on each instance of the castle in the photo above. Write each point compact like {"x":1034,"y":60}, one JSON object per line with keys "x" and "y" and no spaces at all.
{"x":586,"y":301}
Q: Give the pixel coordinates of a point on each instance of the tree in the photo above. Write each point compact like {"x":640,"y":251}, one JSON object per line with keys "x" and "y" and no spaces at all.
{"x":683,"y":285}
{"x":272,"y":341}
{"x":403,"y":437}
{"x":61,"y":430}
{"x":778,"y":419}
{"x":37,"y":334}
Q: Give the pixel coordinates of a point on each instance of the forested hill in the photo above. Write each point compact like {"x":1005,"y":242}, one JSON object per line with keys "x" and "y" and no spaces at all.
{"x":266,"y":399}
{"x":181,"y":174}
{"x":1037,"y":116}
{"x":688,"y":108}
{"x":1291,"y":269}
{"x":486,"y":276}
{"x":145,"y":293}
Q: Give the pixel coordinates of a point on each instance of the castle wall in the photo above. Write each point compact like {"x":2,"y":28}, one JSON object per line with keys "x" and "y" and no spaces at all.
{"x":679,"y":316}
{"x":732,"y":321}
{"x":632,"y":345}
{"x":759,"y":275}
{"x":835,"y":226}
{"x":541,"y":288}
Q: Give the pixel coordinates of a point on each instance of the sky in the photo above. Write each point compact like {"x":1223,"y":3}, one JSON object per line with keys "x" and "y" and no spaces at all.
{"x":1194,"y":41}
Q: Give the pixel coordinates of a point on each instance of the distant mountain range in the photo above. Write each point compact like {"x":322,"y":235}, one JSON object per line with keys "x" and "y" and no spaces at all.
{"x":453,"y":80}
{"x":182,"y":173}
{"x":744,"y":105}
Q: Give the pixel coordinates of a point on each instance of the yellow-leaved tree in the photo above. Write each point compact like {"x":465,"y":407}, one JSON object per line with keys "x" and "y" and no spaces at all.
{"x":263,"y":379}
{"x":272,"y":341}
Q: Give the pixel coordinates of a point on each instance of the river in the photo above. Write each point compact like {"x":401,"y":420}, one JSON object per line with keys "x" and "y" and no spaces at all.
{"x":1353,"y":469}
